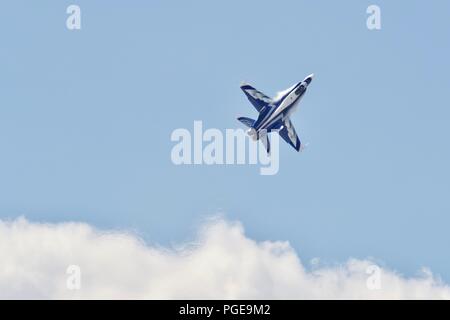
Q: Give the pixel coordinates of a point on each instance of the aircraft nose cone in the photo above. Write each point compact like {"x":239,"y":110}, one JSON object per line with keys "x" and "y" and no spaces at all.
{"x":309,"y":78}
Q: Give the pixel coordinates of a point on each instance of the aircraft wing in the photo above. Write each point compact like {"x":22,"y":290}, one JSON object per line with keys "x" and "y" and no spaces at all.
{"x":258,"y":99}
{"x":289,"y":135}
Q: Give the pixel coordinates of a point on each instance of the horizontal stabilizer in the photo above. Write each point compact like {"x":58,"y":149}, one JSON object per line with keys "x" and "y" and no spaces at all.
{"x":246,"y":121}
{"x":264,"y":137}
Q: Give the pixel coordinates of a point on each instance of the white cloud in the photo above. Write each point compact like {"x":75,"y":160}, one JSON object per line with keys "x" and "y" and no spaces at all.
{"x":221,"y":263}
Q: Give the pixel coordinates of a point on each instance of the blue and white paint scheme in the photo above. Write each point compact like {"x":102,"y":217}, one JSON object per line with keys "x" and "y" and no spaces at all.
{"x":274,"y":114}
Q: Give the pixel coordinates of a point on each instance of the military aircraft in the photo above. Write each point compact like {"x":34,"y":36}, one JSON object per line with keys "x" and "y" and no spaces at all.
{"x":274,"y":114}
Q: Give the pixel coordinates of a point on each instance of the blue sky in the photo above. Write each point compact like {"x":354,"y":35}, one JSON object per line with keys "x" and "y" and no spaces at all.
{"x":86,"y":118}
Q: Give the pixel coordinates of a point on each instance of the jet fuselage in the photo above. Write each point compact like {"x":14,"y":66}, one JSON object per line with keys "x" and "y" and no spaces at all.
{"x":274,"y":114}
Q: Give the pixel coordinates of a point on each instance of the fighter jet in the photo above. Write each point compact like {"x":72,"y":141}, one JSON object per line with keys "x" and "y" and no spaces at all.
{"x":274,"y":114}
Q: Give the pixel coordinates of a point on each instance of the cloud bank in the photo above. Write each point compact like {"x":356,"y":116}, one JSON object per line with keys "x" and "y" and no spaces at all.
{"x":222,"y":263}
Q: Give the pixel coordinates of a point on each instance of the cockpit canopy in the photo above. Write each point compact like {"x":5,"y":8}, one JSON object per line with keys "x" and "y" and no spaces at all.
{"x":300,"y":89}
